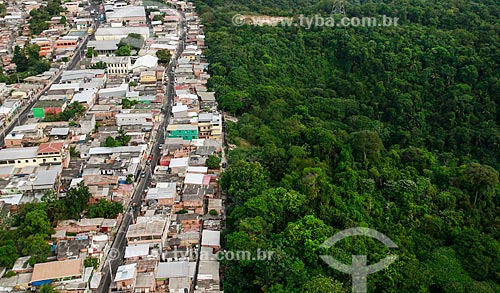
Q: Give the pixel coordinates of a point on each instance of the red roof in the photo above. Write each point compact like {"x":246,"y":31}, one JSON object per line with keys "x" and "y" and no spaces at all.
{"x":206,"y":179}
{"x":181,"y":87}
{"x":165,"y":161}
{"x":50,"y":147}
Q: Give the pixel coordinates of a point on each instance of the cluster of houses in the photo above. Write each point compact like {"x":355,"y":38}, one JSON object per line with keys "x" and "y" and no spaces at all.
{"x":62,"y":37}
{"x":171,"y":245}
{"x":59,"y":42}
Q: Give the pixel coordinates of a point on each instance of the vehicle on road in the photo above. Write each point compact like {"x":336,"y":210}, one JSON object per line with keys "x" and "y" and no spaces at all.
{"x":143,"y":174}
{"x":160,"y":146}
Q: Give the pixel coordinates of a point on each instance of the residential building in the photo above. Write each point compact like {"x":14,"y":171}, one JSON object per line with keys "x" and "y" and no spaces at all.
{"x":43,"y":108}
{"x":128,"y":16}
{"x":119,"y":65}
{"x":46,"y":153}
{"x":145,"y":63}
{"x":67,"y":43}
{"x":56,"y":271}
{"x":30,"y":133}
{"x":144,"y":119}
{"x":118,"y":33}
{"x":86,"y":97}
{"x":151,"y":231}
{"x":184,"y":131}
{"x":164,"y":194}
{"x":104,"y":47}
{"x":148,"y":77}
{"x":210,"y":125}
{"x":45,"y":45}
{"x":87,"y":124}
{"x":125,"y":278}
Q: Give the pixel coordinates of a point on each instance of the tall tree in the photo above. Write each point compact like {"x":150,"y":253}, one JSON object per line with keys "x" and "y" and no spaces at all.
{"x":20,"y":59}
{"x":482,"y":179}
{"x":37,"y":247}
{"x":164,"y":56}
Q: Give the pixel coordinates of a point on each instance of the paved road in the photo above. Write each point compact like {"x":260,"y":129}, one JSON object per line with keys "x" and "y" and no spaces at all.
{"x":23,"y":116}
{"x":115,"y":257}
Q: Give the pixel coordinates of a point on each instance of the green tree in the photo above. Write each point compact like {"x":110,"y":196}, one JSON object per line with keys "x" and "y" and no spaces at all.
{"x":130,"y":179}
{"x":158,"y":17}
{"x":37,"y":247}
{"x":8,"y":254}
{"x":49,"y":196}
{"x":243,"y":180}
{"x":91,"y":52}
{"x":76,"y":200}
{"x":98,"y":65}
{"x":20,"y":59}
{"x":123,"y":51}
{"x":478,"y":253}
{"x":47,"y":288}
{"x":3,"y":9}
{"x":323,"y":284}
{"x":164,"y":56}
{"x":447,"y":271}
{"x":212,"y":162}
{"x":91,"y":262}
{"x":481,"y":178}
{"x":121,"y":140}
{"x":127,"y":104}
{"x":73,"y":152}
{"x":367,"y":143}
{"x":33,"y":53}
{"x":104,"y":209}
{"x":36,"y":222}
{"x":110,"y":142}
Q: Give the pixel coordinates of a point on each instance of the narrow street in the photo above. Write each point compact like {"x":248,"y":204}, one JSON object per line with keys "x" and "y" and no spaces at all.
{"x":22,"y":116}
{"x":117,"y":251}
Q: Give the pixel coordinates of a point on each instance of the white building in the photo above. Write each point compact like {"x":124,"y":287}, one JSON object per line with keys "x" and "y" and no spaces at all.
{"x":119,"y":65}
{"x":144,"y":119}
{"x":118,"y":33}
{"x":144,"y":63}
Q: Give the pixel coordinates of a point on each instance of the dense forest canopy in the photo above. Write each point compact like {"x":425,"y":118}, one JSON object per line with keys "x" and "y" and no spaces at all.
{"x":392,"y":128}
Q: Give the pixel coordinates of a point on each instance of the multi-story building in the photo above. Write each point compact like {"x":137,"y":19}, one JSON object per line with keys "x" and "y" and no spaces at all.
{"x":67,"y":43}
{"x":45,"y":45}
{"x":115,"y":64}
{"x":45,"y":154}
{"x":210,"y":125}
{"x":184,"y":131}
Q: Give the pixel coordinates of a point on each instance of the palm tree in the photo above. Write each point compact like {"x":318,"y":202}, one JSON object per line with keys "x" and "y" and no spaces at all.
{"x":47,"y":288}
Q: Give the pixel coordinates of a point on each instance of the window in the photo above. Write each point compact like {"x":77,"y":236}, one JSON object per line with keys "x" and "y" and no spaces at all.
{"x":34,"y":160}
{"x":19,"y":161}
{"x":55,"y":159}
{"x":26,"y":161}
